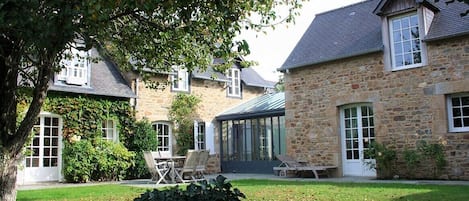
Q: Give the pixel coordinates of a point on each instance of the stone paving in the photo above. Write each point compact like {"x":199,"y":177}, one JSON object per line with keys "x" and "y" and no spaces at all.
{"x":147,"y":183}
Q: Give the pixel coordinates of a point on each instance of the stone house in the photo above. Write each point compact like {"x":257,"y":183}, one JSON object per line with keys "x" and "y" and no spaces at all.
{"x":217,"y":91}
{"x":395,"y":72}
{"x":79,"y":79}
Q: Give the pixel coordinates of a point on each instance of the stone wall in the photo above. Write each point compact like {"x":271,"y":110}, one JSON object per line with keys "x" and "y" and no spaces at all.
{"x":409,"y":105}
{"x":154,"y":104}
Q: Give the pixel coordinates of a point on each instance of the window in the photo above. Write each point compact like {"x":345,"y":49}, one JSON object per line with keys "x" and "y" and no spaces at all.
{"x":234,"y":83}
{"x":108,"y":127}
{"x":200,"y":136}
{"x":44,"y":148}
{"x":405,"y":42}
{"x":458,"y":112}
{"x":163,"y":135}
{"x":75,"y":67}
{"x":180,"y":80}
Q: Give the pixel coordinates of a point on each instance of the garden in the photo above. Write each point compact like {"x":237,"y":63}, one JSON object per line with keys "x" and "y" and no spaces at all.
{"x":255,"y":189}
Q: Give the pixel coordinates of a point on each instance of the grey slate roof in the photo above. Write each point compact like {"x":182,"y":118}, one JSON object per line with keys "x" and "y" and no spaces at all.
{"x":106,"y":80}
{"x":265,"y":105}
{"x":248,"y":76}
{"x":355,"y":30}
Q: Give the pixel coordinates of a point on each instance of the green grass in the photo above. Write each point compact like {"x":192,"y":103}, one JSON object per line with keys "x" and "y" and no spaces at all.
{"x":271,"y":190}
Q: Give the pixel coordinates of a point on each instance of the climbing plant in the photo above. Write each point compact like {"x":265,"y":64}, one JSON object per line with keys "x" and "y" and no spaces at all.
{"x":182,"y":113}
{"x":82,"y":117}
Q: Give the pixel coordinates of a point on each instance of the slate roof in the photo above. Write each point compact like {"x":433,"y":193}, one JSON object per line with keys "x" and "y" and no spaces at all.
{"x":248,"y":76}
{"x":262,"y":106}
{"x":106,"y":80}
{"x":355,"y":30}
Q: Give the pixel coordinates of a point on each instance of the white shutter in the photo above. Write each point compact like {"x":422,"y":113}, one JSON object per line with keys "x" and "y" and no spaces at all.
{"x":210,"y":137}
{"x":196,"y":137}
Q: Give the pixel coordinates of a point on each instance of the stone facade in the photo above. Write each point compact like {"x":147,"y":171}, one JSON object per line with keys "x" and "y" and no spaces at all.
{"x":409,"y":105}
{"x":154,"y":104}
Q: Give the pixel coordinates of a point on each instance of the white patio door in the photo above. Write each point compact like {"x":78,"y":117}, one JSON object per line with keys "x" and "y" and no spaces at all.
{"x":43,"y":159}
{"x":357,"y":134}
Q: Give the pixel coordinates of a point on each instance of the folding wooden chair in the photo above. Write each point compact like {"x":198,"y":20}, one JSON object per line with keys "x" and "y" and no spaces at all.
{"x":187,"y":172}
{"x":158,"y":170}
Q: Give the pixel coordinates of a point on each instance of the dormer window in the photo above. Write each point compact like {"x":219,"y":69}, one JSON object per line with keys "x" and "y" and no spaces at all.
{"x":234,"y":83}
{"x":180,"y":79}
{"x":75,"y":67}
{"x":405,"y":41}
{"x":405,"y":25}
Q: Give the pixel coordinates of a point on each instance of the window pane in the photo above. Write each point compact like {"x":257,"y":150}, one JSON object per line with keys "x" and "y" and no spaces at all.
{"x":348,"y":134}
{"x":465,"y":111}
{"x":46,"y":162}
{"x":407,"y":46}
{"x":365,"y":122}
{"x":55,"y":142}
{"x":414,"y":20}
{"x":47,"y":121}
{"x":46,"y":152}
{"x":354,"y":133}
{"x":408,"y":59}
{"x":415,"y":45}
{"x":455,"y":102}
{"x":46,"y":141}
{"x":399,"y":60}
{"x":372,"y":132}
{"x":406,"y":34}
{"x":396,"y":24}
{"x":415,"y":32}
{"x":354,"y":112}
{"x":417,"y":58}
{"x":466,"y":122}
{"x":55,"y":122}
{"x":347,"y":113}
{"x":457,"y":122}
{"x":355,"y":154}
{"x":354,"y":123}
{"x":349,"y":155}
{"x":456,"y":112}
{"x":35,"y":162}
{"x":405,"y":22}
{"x":365,"y":132}
{"x":465,"y":100}
{"x":397,"y":36}
{"x":36,"y":141}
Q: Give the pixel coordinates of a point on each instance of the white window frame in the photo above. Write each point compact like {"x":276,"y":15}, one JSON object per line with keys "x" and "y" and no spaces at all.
{"x":234,"y":83}
{"x":451,"y":117}
{"x":40,"y":127}
{"x":75,"y":66}
{"x":110,"y":132}
{"x":162,"y":146}
{"x":180,"y":79}
{"x":421,"y":51}
{"x":200,"y":135}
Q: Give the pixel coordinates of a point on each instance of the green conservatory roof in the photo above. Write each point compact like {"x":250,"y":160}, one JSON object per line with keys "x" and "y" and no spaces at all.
{"x":263,"y":106}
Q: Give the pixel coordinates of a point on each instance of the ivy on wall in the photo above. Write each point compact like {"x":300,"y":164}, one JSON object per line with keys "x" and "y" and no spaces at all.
{"x":83,"y":115}
{"x":182,"y":113}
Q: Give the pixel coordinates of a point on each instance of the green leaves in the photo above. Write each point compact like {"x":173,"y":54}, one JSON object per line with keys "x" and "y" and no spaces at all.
{"x":216,"y":189}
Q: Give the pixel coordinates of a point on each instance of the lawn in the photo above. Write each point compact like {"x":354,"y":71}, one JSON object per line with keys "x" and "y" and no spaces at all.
{"x":271,"y":190}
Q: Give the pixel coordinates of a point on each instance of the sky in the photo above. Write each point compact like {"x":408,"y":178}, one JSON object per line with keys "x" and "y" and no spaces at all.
{"x":272,"y":49}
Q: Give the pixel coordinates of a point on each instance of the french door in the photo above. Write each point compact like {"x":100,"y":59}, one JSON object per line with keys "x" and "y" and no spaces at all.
{"x":43,"y":156}
{"x":357,"y":134}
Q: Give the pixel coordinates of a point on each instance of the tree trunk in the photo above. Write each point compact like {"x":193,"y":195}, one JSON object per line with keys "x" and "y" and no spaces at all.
{"x":13,"y":138}
{"x":8,"y":168}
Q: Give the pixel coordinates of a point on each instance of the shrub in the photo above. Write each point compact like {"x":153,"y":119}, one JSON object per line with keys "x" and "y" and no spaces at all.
{"x":112,"y":161}
{"x":100,"y":161}
{"x":78,"y":161}
{"x":216,"y":189}
{"x":144,"y":139}
{"x":434,"y":154}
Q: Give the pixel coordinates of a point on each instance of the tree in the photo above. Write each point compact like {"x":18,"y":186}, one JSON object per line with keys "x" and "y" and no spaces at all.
{"x":151,"y":34}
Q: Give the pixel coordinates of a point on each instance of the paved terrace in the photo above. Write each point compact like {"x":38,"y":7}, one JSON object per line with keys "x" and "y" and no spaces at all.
{"x":147,"y":183}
